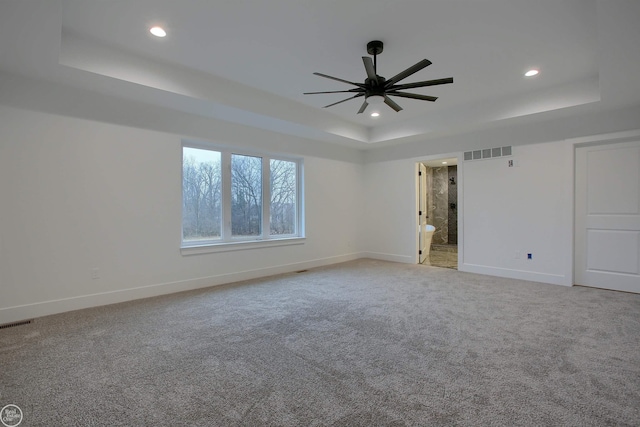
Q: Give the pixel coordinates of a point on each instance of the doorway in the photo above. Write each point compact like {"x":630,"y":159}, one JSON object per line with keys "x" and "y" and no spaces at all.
{"x":438,"y":212}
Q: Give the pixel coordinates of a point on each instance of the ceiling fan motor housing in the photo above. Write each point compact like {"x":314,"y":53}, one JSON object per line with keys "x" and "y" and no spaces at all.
{"x":375,"y":88}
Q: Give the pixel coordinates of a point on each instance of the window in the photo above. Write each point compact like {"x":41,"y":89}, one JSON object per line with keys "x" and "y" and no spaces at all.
{"x":230,"y":197}
{"x":246,"y":195}
{"x":201,"y":194}
{"x":284,"y":191}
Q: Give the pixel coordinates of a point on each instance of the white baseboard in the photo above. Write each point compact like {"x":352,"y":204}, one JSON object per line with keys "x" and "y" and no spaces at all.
{"x":532,"y":276}
{"x":46,"y":308}
{"x":389,"y":257}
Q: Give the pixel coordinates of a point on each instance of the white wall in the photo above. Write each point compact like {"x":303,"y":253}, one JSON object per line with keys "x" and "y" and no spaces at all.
{"x":77,"y":194}
{"x":527,"y":208}
{"x":391,"y":220}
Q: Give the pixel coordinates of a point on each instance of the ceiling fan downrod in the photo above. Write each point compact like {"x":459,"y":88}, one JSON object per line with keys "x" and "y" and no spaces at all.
{"x":375,"y":48}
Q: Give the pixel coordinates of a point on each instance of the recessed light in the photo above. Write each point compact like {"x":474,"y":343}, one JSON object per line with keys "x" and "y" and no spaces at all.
{"x":531,"y":73}
{"x":158,"y":31}
{"x":375,"y":114}
{"x":444,"y":163}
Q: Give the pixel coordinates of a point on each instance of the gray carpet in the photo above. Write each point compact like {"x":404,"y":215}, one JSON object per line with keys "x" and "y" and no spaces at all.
{"x":364,"y":343}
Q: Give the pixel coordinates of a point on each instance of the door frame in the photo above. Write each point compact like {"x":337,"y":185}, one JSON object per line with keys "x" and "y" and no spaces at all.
{"x":459,"y":156}
{"x":422,"y":211}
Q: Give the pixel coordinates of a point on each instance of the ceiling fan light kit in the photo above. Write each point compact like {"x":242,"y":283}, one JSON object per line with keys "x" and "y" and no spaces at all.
{"x":376,"y":89}
{"x":375,"y":99}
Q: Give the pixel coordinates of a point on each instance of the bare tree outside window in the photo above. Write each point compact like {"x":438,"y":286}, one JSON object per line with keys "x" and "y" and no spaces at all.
{"x":201,"y":194}
{"x":283,"y":197}
{"x":246,"y":195}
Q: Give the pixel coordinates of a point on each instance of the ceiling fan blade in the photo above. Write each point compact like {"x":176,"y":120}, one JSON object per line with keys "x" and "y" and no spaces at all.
{"x":364,"y":106}
{"x":335,"y":91}
{"x":406,"y":73}
{"x":341,"y":80}
{"x":392,"y":104}
{"x":339,"y":102}
{"x":371,"y":71}
{"x":413,"y":96}
{"x":421,"y":84}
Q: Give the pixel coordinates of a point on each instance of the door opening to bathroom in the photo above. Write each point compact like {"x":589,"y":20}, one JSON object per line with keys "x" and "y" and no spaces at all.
{"x":437,"y":217}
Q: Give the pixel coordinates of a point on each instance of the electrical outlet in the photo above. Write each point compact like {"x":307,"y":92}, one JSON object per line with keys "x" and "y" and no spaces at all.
{"x":95,"y":273}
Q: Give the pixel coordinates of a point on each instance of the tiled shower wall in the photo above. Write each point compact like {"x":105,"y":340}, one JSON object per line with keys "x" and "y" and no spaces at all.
{"x":438,"y":210}
{"x":442,"y":214}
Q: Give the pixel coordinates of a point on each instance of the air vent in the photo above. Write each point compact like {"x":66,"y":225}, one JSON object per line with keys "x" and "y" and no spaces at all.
{"x":14,"y":324}
{"x":487,"y":153}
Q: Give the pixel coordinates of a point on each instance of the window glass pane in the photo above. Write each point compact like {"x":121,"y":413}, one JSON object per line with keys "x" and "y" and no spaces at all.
{"x":283,"y":197}
{"x":246,"y":195}
{"x":201,"y":194}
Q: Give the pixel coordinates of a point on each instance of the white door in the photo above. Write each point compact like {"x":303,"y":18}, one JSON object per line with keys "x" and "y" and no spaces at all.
{"x":607,"y":235}
{"x":422,"y":211}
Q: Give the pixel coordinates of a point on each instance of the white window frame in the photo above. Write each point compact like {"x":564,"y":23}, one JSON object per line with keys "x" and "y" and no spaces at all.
{"x":227,"y":242}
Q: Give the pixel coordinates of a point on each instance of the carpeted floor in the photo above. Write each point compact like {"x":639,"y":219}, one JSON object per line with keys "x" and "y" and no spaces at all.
{"x":364,"y":343}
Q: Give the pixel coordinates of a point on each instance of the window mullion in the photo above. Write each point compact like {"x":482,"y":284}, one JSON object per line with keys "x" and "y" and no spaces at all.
{"x":226,"y":196}
{"x":266,"y":198}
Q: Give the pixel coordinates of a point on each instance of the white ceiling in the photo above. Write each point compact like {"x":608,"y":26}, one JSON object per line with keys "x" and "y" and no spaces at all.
{"x":249,"y":61}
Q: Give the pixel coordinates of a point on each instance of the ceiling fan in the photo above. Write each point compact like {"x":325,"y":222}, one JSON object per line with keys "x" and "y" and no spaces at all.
{"x":376,"y":89}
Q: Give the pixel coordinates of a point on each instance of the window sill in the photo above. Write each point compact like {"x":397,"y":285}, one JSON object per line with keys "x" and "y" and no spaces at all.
{"x":239,"y":246}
